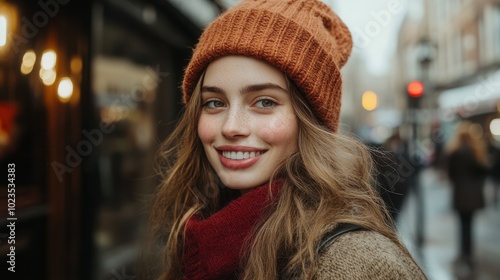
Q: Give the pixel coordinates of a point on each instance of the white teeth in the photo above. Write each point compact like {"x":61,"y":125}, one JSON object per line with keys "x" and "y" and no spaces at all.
{"x":239,"y":155}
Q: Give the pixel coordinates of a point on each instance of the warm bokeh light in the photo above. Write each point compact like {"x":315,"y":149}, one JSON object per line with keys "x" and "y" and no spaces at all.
{"x":26,"y":69}
{"x":48,"y":76}
{"x":495,"y":127}
{"x":28,"y":63}
{"x":369,"y":100}
{"x":29,"y":58}
{"x":44,"y":74}
{"x":3,"y":31}
{"x":49,"y":59}
{"x":65,"y":89}
{"x":76,"y":65}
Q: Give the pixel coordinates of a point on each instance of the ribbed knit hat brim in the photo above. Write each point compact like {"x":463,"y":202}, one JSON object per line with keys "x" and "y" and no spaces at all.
{"x":302,"y":38}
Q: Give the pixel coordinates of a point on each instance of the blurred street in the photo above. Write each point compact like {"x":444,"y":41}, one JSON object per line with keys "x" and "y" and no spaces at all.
{"x":441,"y":240}
{"x":89,"y":90}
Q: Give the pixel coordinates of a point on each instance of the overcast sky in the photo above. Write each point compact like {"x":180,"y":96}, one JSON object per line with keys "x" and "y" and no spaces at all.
{"x":375,"y":25}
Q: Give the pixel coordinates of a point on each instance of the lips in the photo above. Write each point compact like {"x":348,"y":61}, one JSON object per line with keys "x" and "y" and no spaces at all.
{"x":239,"y":157}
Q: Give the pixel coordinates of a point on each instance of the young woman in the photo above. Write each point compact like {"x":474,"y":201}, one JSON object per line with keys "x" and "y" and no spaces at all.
{"x":467,"y":163}
{"x":256,"y":174}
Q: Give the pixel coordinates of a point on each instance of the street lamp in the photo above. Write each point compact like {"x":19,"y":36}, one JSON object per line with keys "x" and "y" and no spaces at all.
{"x":425,"y":52}
{"x":416,"y":90}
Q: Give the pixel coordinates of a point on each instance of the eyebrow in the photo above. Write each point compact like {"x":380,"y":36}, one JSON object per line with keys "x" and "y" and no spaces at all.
{"x":245,"y":89}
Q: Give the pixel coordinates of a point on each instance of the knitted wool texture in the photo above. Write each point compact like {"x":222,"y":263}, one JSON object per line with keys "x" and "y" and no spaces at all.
{"x":302,"y":38}
{"x":214,"y":247}
{"x":366,"y":255}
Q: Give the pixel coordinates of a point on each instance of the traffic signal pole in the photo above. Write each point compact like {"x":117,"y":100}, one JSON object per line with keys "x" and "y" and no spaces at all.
{"x":415,"y":90}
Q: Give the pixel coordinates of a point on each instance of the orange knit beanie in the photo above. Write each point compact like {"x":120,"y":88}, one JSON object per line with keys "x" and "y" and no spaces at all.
{"x":302,"y":38}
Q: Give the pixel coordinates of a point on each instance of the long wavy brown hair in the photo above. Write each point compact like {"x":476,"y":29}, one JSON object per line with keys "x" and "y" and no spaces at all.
{"x":328,"y":180}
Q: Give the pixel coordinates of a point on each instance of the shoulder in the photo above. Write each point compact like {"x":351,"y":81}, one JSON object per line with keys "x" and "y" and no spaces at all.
{"x":366,"y":255}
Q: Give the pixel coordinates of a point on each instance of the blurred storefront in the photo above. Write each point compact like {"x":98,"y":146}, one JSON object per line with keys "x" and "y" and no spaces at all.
{"x":43,"y":87}
{"x":454,"y":47}
{"x":467,"y":68}
{"x":88,"y":91}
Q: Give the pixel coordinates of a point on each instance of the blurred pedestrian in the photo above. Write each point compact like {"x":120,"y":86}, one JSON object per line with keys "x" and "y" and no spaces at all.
{"x":437,"y":159}
{"x":495,"y":169}
{"x":393,"y":172}
{"x":467,"y":161}
{"x":258,"y":178}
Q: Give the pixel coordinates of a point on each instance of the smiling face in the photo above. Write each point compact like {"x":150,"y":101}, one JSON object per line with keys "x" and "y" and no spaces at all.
{"x":247,"y":124}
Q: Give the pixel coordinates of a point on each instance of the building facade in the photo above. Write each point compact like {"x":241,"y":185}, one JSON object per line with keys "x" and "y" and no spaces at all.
{"x":454,"y":47}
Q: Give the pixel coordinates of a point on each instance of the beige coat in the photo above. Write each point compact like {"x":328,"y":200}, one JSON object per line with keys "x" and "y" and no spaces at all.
{"x":366,"y":255}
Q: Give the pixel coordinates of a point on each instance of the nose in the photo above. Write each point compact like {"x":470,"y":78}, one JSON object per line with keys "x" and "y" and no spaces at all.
{"x":236,"y":123}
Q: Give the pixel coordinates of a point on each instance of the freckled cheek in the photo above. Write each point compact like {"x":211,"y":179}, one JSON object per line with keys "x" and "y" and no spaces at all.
{"x":206,"y":130}
{"x":280,"y":130}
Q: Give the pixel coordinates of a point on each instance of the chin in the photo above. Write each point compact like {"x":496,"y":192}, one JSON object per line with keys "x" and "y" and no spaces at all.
{"x":243,"y":184}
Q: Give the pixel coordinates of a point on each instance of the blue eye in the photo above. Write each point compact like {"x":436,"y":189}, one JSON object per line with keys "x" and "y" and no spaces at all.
{"x":265,"y":103}
{"x":213,"y":104}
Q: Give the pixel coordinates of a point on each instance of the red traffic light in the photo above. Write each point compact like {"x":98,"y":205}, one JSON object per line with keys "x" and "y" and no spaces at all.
{"x":415,"y":89}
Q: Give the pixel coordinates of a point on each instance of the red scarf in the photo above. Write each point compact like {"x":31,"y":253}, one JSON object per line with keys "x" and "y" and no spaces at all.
{"x":213,"y":247}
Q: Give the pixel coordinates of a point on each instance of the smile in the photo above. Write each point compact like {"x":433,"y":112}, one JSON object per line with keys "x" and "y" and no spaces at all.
{"x":239,"y":157}
{"x":234,"y":155}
